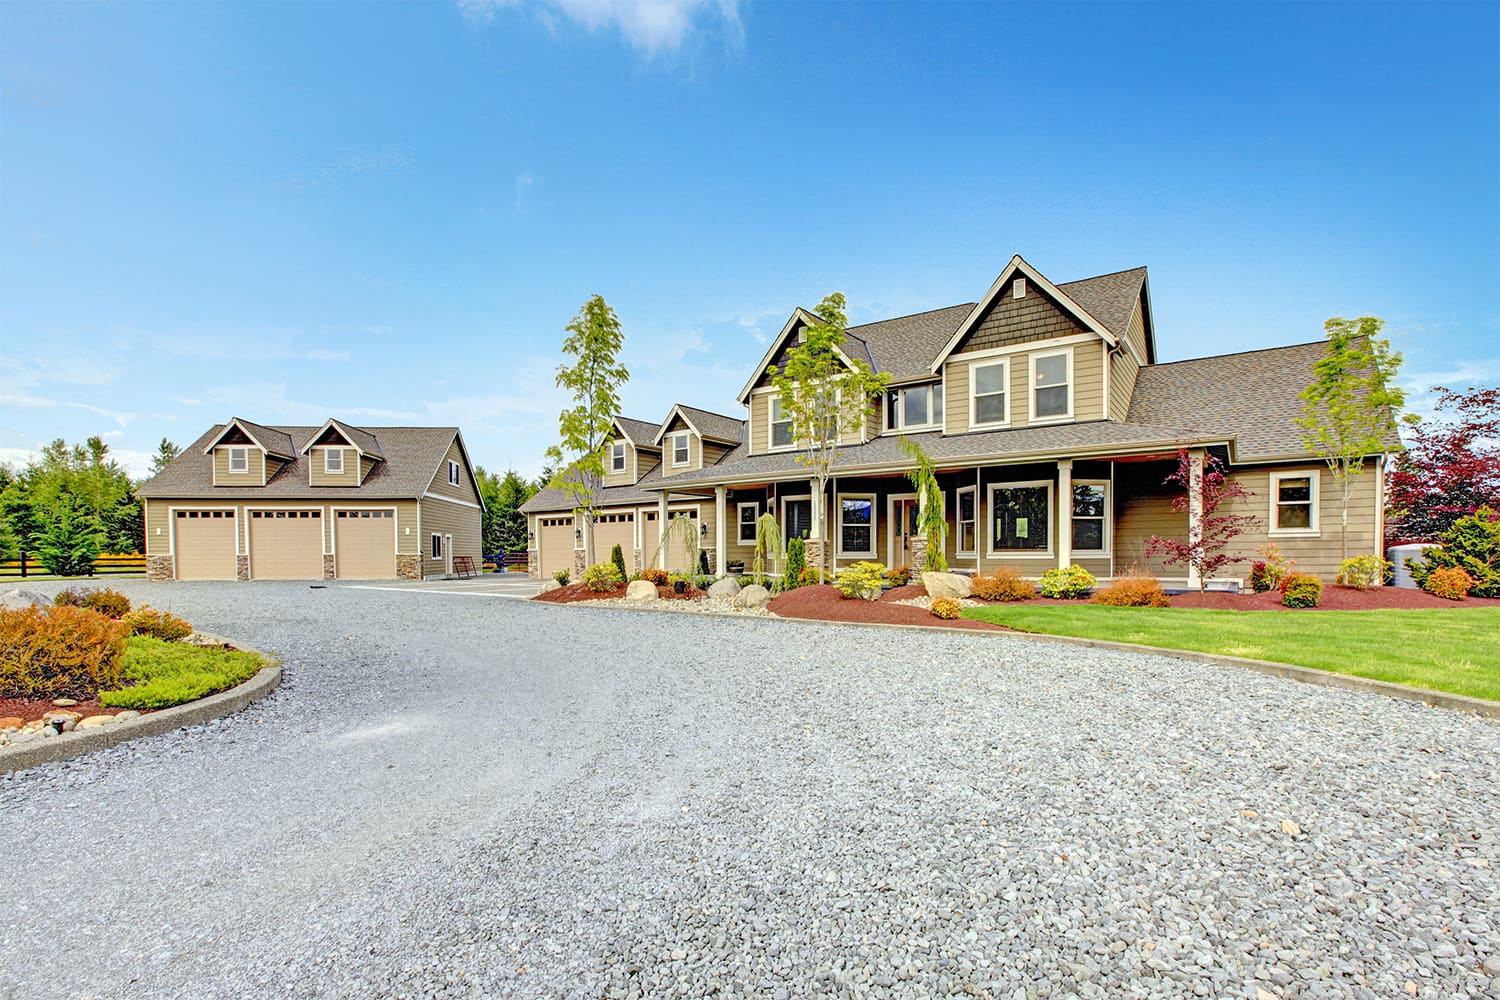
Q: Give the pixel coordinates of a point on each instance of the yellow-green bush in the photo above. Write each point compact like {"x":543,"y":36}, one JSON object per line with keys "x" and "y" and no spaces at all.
{"x":161,"y":674}
{"x":1071,"y":583}
{"x":861,"y":580}
{"x":946,"y":608}
{"x":602,"y":577}
{"x":1362,"y":572}
{"x":1301,"y":590}
{"x":146,"y":620}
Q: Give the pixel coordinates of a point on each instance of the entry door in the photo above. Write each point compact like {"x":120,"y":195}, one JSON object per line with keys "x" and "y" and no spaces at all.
{"x":903,"y":530}
{"x":798,"y":518}
{"x":448,"y":554}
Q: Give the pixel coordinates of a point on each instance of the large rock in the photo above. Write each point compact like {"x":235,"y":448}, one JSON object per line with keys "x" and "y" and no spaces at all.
{"x":95,"y":721}
{"x":947,"y":585}
{"x":753,"y":596}
{"x":18,"y":598}
{"x":11,"y":722}
{"x":726,"y":589}
{"x":549,"y":587}
{"x":641,"y":591}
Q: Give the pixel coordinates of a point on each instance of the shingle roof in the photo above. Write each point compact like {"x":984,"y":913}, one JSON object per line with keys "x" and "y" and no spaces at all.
{"x":1109,"y":298}
{"x":1252,"y":395}
{"x":551,"y":498}
{"x":274,"y":439}
{"x":711,"y":425}
{"x":360,"y":438}
{"x":905,"y":346}
{"x":412,"y":456}
{"x":639,"y":432}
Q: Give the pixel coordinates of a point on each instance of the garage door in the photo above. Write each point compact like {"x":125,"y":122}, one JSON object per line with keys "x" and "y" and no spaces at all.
{"x":557,"y":545}
{"x":615,"y":529}
{"x":286,"y":544}
{"x":203,"y":542}
{"x":364,"y":544}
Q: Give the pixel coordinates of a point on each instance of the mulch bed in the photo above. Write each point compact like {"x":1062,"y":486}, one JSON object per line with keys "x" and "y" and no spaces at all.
{"x":825,"y":604}
{"x":35,"y":708}
{"x":1334,"y":598}
{"x":575,"y":592}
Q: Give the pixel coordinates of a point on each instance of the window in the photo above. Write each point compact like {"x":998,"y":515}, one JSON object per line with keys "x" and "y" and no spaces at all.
{"x":748,"y":512}
{"x":1089,"y":501}
{"x":966,"y":520}
{"x":239,"y":459}
{"x":680,"y":448}
{"x":452,"y":473}
{"x":617,"y":457}
{"x":987,"y":385}
{"x":857,"y":525}
{"x":781,"y":425}
{"x":796,"y":517}
{"x":1022,"y":517}
{"x":918,"y":406}
{"x":333,"y":461}
{"x":437,"y":546}
{"x":1051,"y":385}
{"x":1294,"y":503}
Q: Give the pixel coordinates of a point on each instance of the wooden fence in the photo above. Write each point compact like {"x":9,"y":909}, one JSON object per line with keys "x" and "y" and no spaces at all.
{"x":514,"y":562}
{"x":115,"y":564}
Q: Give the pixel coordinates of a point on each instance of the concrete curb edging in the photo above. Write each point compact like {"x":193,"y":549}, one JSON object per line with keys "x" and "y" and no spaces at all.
{"x":68,"y":745}
{"x":1307,"y":675}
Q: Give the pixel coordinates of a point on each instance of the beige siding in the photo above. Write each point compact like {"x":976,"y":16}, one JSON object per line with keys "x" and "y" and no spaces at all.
{"x":408,"y":537}
{"x":1143,"y":507}
{"x":760,"y":423}
{"x":222,"y":475}
{"x":1088,"y":384}
{"x":695,"y":449}
{"x":365,"y":465}
{"x":273,"y":466}
{"x":1122,"y":375}
{"x":712,"y":452}
{"x":157,"y":518}
{"x":1136,"y":332}
{"x":441,"y":517}
{"x":349,"y":477}
{"x":632,"y":471}
{"x":1088,"y":381}
{"x":466,"y":490}
{"x":155,"y":514}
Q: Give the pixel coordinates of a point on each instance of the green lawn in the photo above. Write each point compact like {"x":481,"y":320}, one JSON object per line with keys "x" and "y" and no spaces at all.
{"x":1455,"y":650}
{"x":161,"y":674}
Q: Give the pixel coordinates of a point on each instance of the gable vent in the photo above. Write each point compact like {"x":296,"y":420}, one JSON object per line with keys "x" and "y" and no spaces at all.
{"x":1018,"y":288}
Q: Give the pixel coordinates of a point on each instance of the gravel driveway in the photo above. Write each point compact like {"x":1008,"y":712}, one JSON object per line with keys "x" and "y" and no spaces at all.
{"x":466,"y":796}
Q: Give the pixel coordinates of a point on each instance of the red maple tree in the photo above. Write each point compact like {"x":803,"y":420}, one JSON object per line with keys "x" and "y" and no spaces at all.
{"x":1451,"y":467}
{"x":1211,"y":553}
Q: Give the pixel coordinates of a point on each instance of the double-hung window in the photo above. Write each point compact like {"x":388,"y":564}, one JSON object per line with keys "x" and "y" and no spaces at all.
{"x":988,"y":406}
{"x":1052,"y":385}
{"x":1022,"y":517}
{"x":239,"y":459}
{"x":333,"y":461}
{"x":617,"y":457}
{"x":916,"y":406}
{"x":1090,"y":501}
{"x":748,"y":512}
{"x":781,"y":425}
{"x":680,"y":448}
{"x":967,"y":521}
{"x":856,"y":525}
{"x":1294,"y":503}
{"x":437,"y":546}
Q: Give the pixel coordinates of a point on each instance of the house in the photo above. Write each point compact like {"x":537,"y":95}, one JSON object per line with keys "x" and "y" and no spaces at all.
{"x":251,"y":502}
{"x":1052,"y":421}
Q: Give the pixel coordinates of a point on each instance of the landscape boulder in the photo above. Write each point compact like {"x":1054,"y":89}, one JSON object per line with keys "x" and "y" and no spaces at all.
{"x":641,"y":591}
{"x":17,"y":598}
{"x":726,"y":589}
{"x":753,"y":596}
{"x":947,"y":585}
{"x":549,"y":587}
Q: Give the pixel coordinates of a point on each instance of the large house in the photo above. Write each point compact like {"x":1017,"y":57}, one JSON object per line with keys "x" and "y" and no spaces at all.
{"x":1052,"y":421}
{"x":250,"y":502}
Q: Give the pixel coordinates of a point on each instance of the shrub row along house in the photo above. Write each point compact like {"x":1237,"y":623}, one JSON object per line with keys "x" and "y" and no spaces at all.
{"x":1050,"y":417}
{"x":251,"y":502}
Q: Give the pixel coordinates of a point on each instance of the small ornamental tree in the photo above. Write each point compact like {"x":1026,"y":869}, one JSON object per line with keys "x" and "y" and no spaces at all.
{"x":932,"y":520}
{"x":587,"y":427}
{"x":1349,"y":409}
{"x":1450,"y":469}
{"x":824,"y":393}
{"x":1210,"y":554}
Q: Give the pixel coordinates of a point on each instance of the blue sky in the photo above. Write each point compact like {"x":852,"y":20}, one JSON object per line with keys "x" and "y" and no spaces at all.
{"x":389,"y":212}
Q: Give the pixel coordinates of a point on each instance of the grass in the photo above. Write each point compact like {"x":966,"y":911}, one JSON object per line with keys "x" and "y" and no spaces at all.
{"x":1445,"y":650}
{"x":162,"y":674}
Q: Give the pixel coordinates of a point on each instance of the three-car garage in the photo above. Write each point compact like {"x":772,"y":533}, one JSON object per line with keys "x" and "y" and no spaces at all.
{"x":283,"y":543}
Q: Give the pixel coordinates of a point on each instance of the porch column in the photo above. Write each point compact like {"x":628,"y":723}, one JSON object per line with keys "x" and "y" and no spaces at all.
{"x":661,"y":530}
{"x":721,"y":513}
{"x":1064,"y":512}
{"x":1195,"y":513}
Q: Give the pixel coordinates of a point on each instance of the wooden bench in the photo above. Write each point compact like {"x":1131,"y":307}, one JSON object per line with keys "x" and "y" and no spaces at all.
{"x":463,"y":567}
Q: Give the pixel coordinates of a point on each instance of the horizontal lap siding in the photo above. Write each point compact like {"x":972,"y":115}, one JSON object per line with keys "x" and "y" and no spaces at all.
{"x":630,"y":475}
{"x":760,"y":424}
{"x":466,"y":489}
{"x":1122,"y":375}
{"x":222,"y":475}
{"x":365,"y":465}
{"x":350,"y":475}
{"x":1136,"y":332}
{"x":1314,"y":554}
{"x":463,"y":523}
{"x":1087,"y":388}
{"x":1143,"y":507}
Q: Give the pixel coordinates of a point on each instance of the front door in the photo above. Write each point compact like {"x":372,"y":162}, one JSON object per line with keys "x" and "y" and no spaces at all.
{"x":903,"y":529}
{"x":797,"y":515}
{"x":448,"y":554}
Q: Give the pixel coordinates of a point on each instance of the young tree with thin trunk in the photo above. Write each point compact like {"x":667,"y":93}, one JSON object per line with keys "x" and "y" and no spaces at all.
{"x":1349,"y":409}
{"x":825,"y":393}
{"x":594,"y":380}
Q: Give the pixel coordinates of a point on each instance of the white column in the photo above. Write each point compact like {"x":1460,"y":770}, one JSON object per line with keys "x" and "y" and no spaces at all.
{"x":1195,"y":511}
{"x":817,"y":508}
{"x":721,"y":544}
{"x":661,"y":530}
{"x":1064,"y":512}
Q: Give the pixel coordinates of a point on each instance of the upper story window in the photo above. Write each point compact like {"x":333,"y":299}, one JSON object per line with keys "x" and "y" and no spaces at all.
{"x":680,"y":448}
{"x":916,"y":406}
{"x":239,"y":459}
{"x":617,"y":457}
{"x":1052,"y":385}
{"x":989,"y":402}
{"x":1294,"y":503}
{"x":452,"y":473}
{"x":333,"y":461}
{"x":781,"y":425}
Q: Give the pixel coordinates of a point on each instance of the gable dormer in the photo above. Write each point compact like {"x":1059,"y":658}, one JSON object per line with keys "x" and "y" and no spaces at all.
{"x":339,"y":454}
{"x":248,"y":454}
{"x":692,"y":439}
{"x":768,"y":430}
{"x":631,"y":453}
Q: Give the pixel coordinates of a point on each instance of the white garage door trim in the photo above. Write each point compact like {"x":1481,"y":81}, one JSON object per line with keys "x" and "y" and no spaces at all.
{"x":250,"y":520}
{"x":395,"y":534}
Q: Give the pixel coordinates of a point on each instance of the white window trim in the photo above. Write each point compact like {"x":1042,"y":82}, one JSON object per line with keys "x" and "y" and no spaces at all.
{"x":623,"y":456}
{"x":812,"y":513}
{"x":453,"y":476}
{"x":1031,"y":360}
{"x":244,"y":451}
{"x":902,"y":427}
{"x":839,"y":526}
{"x":438,"y":536}
{"x":739,"y":520}
{"x":1109,"y":517}
{"x":1050,"y":552}
{"x":1313,"y":529}
{"x":771,"y":423}
{"x":687,"y":446}
{"x":328,"y":469}
{"x":978,"y":515}
{"x":1004,"y":364}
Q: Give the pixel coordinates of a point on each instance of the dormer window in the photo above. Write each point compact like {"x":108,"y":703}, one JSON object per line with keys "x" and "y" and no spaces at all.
{"x":452,"y":473}
{"x":680,"y":448}
{"x":333,"y":461}
{"x":1052,"y":381}
{"x":917,"y":406}
{"x":239,"y":460}
{"x":987,"y":396}
{"x":617,"y":457}
{"x":781,"y":425}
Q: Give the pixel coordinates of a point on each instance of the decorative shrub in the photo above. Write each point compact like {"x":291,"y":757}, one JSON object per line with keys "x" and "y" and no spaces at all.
{"x":946,"y":607}
{"x":562,"y":577}
{"x":807,"y":577}
{"x":1143,"y":591}
{"x":1261,"y":577}
{"x":1273,"y":568}
{"x":1362,"y":572}
{"x":1473,"y":545}
{"x":1452,"y":583}
{"x":602,"y":577}
{"x":1005,"y":585}
{"x":1069,"y":584}
{"x":861,"y":580}
{"x":1301,"y":590}
{"x":146,"y":620}
{"x":657,"y":577}
{"x":58,"y":652}
{"x":162,"y":674}
{"x":796,"y":563}
{"x":72,"y":597}
{"x":109,"y":603}
{"x":898,"y":577}
{"x":617,"y":556}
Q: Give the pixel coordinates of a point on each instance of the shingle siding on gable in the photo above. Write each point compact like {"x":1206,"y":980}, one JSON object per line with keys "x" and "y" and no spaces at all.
{"x":1018,"y":321}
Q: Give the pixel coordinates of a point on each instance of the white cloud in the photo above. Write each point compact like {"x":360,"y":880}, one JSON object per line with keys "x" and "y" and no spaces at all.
{"x":21,"y":401}
{"x":137,"y":463}
{"x":652,"y":26}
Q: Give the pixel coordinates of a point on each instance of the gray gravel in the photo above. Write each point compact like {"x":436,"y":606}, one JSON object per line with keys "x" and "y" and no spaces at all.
{"x":464,"y":796}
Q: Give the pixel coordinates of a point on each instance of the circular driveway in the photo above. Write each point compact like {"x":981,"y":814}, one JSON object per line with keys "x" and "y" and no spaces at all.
{"x":464,"y":795}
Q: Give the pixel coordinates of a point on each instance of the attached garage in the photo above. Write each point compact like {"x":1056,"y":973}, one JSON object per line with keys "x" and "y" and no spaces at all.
{"x":555,"y":539}
{"x":364,"y":544}
{"x":203,"y":544}
{"x":286,"y":544}
{"x":615,"y":529}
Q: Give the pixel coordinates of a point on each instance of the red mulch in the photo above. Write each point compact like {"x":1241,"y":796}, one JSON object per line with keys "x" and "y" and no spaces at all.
{"x":1334,"y":598}
{"x":825,"y":604}
{"x":575,"y":592}
{"x":34,"y":708}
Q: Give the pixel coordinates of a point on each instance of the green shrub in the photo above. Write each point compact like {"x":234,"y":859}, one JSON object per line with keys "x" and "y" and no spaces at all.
{"x":1452,"y":583}
{"x":109,"y":603}
{"x":617,"y":556}
{"x":1141,"y":591}
{"x":796,"y":562}
{"x":1301,"y":590}
{"x":1473,"y":545}
{"x":898,"y":577}
{"x":1362,"y":572}
{"x":159,"y":674}
{"x":146,"y":620}
{"x":1070,"y":584}
{"x":602,"y":577}
{"x":946,"y":608}
{"x":562,"y":577}
{"x":1006,"y":585}
{"x":1268,"y":572}
{"x":58,"y":652}
{"x":861,"y":580}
